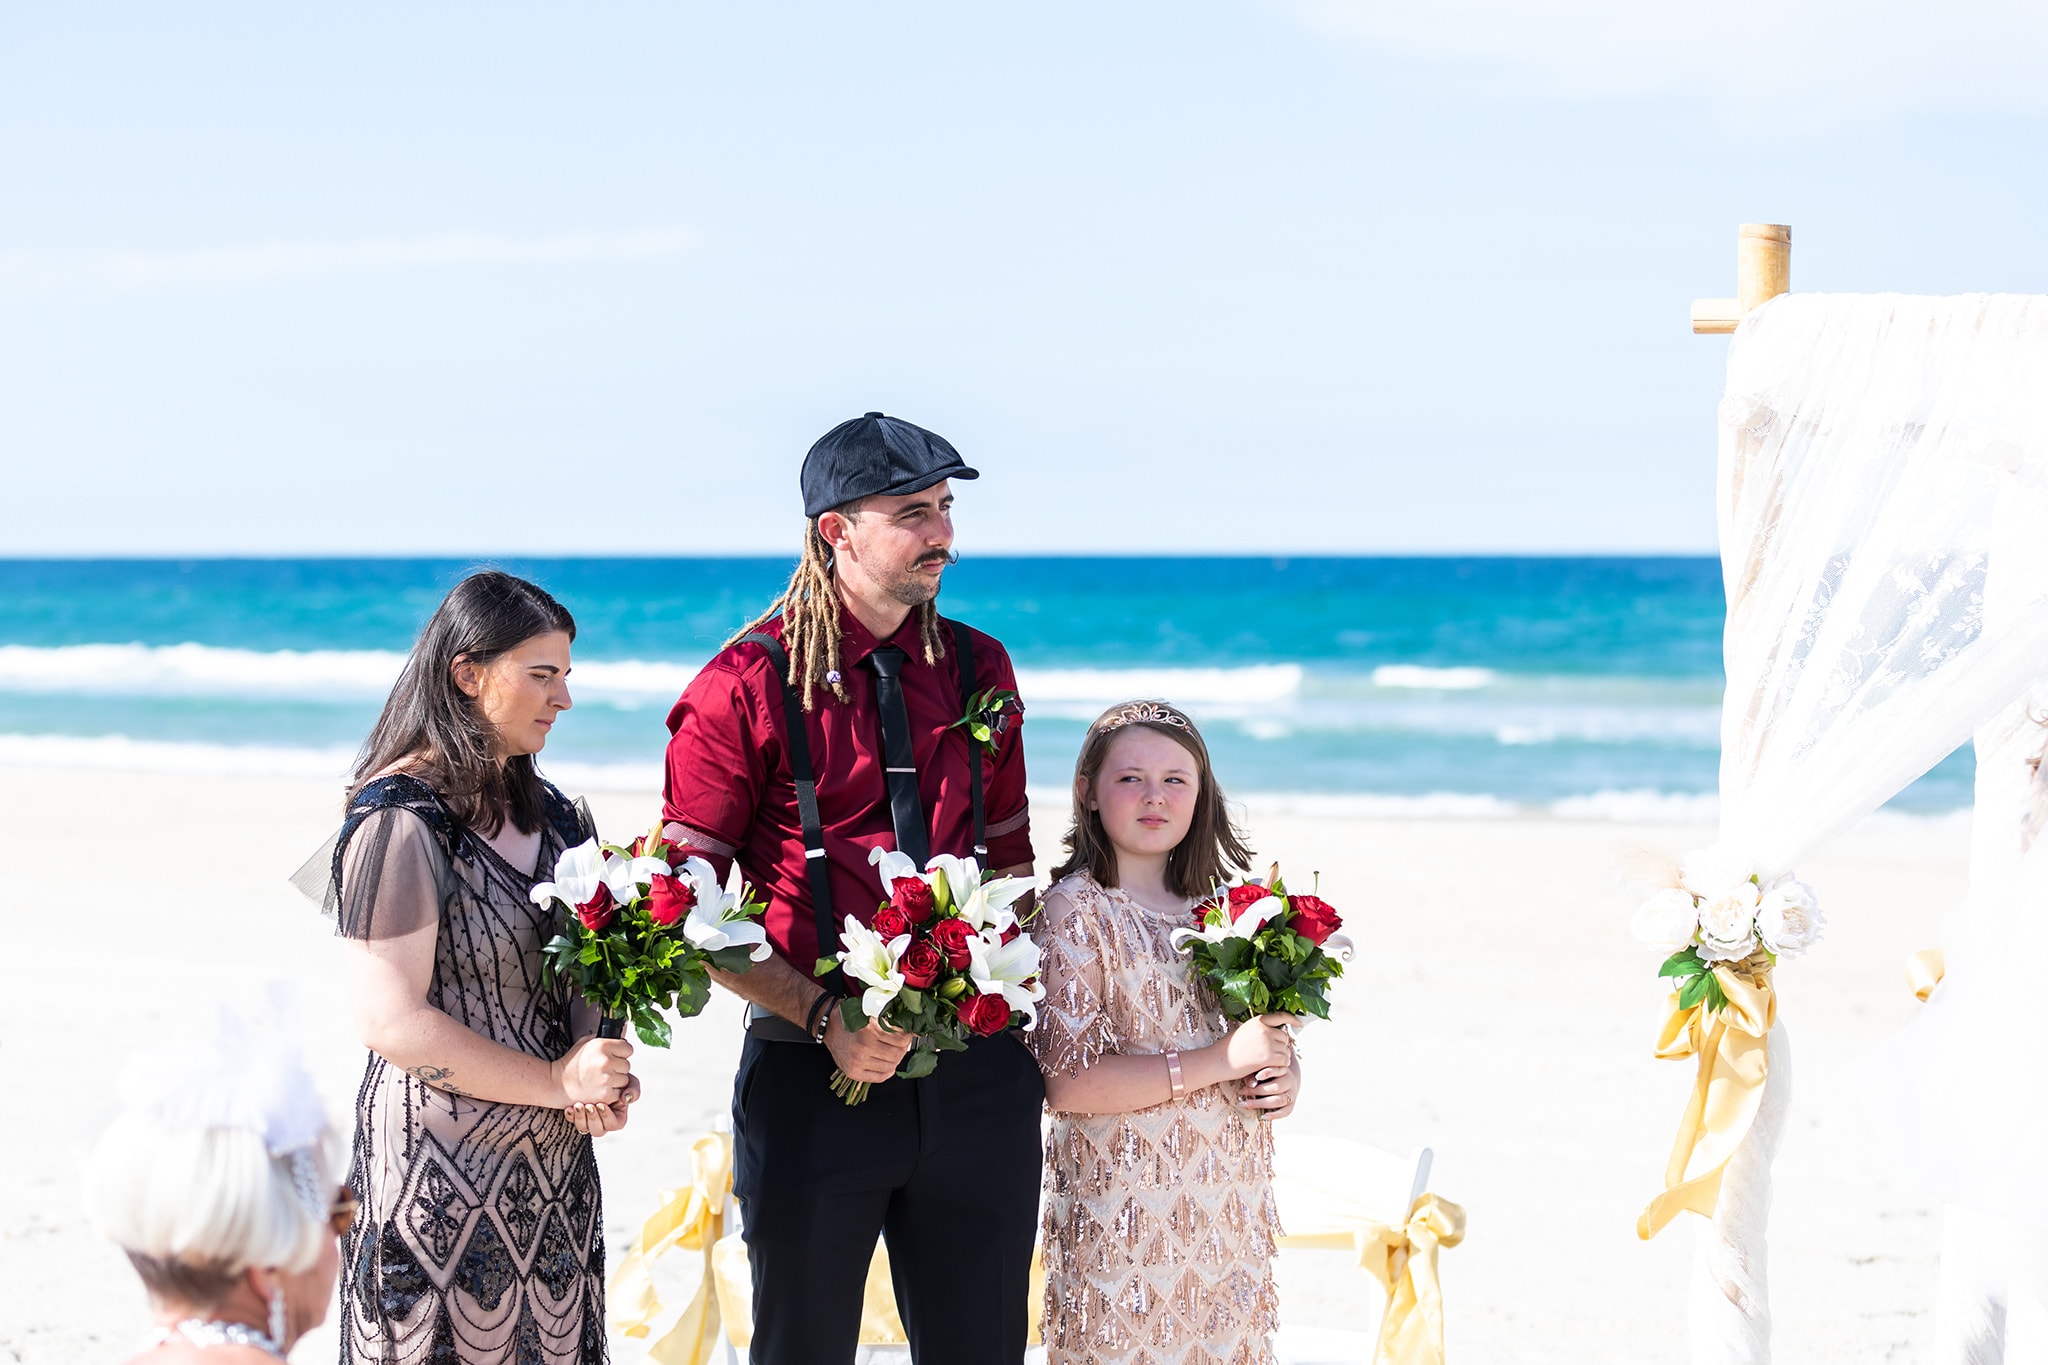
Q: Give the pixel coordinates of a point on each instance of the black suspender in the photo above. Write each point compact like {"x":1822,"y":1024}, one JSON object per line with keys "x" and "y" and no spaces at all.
{"x":804,"y":774}
{"x":963,"y":645}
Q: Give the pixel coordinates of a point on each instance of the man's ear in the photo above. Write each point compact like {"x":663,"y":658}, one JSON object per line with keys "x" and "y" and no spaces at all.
{"x":836,"y":530}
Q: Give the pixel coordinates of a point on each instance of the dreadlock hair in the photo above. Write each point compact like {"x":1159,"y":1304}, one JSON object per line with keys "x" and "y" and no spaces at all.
{"x":809,"y":608}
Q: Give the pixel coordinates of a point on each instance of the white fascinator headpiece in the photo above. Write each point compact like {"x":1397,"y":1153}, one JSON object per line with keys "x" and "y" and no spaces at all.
{"x":247,"y":1075}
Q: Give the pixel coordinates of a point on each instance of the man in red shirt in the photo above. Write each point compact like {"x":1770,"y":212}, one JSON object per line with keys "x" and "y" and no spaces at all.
{"x":822,"y":732}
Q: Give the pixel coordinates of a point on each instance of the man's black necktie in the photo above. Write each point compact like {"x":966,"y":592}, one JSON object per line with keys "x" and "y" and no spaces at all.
{"x":906,"y":807}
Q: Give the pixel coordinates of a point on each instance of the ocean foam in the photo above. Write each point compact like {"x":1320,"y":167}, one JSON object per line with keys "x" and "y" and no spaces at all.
{"x":1100,"y":687}
{"x":197,"y":670}
{"x":1432,"y":679}
{"x":193,"y":670}
{"x":1641,"y":806}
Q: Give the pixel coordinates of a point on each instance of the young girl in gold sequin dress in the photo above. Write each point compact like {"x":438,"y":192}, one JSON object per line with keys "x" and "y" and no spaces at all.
{"x":1159,"y":1215}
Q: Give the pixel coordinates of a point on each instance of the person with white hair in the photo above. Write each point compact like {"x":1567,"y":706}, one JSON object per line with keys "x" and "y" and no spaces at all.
{"x":218,"y":1178}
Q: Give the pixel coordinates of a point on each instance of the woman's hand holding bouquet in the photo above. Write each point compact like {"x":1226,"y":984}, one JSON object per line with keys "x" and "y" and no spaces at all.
{"x":641,"y":929}
{"x":944,"y":959}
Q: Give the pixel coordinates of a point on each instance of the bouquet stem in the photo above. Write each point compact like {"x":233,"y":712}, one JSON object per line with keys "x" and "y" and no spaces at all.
{"x":612,"y":1026}
{"x":847,"y":1088}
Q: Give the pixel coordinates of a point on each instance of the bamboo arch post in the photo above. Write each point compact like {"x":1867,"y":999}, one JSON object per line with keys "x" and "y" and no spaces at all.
{"x":1763,"y":270}
{"x":1728,"y":1310}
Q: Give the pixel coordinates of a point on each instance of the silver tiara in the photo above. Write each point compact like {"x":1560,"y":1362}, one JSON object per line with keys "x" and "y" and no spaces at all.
{"x":1143,"y":711}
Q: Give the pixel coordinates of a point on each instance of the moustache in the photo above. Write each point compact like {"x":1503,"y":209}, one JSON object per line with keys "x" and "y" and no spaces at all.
{"x":950,"y":558}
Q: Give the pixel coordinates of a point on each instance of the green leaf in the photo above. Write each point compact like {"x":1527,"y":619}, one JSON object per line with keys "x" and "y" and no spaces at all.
{"x":734,"y":961}
{"x":912,"y":998}
{"x":652,"y":1028}
{"x":1684,"y":962}
{"x":1717,"y":999}
{"x":851,"y":1013}
{"x":1233,"y":954}
{"x":1694,"y":990}
{"x":920,"y":1061}
{"x":825,"y":965}
{"x":692,"y":996}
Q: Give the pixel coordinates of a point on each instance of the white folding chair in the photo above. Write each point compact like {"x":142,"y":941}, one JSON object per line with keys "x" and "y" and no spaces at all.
{"x":1323,"y":1185}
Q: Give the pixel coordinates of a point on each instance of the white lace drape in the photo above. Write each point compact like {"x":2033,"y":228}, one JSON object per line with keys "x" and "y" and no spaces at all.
{"x":1961,"y":1091}
{"x":1884,"y":541}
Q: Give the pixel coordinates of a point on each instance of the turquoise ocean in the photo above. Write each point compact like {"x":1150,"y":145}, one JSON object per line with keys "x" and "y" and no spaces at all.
{"x":1578,"y":687}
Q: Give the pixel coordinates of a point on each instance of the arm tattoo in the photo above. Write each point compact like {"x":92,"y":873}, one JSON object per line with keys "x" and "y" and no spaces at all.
{"x":436,"y":1076}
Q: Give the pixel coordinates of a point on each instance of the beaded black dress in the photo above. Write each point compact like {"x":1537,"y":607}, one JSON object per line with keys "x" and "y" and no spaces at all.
{"x":480,"y":1239}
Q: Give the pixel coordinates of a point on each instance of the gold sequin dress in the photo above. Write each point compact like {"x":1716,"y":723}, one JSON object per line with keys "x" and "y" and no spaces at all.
{"x":1159,"y":1224}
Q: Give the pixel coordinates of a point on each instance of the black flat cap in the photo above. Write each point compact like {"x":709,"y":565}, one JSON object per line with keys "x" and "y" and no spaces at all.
{"x":876,"y":454}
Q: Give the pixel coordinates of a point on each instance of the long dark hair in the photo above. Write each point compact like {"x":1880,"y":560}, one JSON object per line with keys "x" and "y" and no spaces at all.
{"x":432,"y":728}
{"x":1213,"y":846}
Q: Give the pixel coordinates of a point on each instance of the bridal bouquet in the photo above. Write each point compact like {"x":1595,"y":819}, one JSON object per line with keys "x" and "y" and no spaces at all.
{"x":1264,"y":948}
{"x":641,"y":929}
{"x":1718,"y":911}
{"x":945,"y":958}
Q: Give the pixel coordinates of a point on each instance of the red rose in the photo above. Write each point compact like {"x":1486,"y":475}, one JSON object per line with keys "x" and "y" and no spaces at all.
{"x":914,"y":899}
{"x":670,"y":899}
{"x":1313,"y":918}
{"x":920,"y":964}
{"x":890,"y":923}
{"x":1244,"y":897}
{"x":1010,"y":934}
{"x":985,"y":1014}
{"x":596,"y":912}
{"x":951,"y":937}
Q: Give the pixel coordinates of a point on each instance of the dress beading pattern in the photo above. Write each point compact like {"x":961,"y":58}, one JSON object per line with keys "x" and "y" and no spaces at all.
{"x":481,"y":1236}
{"x":1159,"y":1224}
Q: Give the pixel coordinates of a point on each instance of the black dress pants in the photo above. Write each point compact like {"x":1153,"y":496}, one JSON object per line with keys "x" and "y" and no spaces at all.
{"x":945,"y":1167}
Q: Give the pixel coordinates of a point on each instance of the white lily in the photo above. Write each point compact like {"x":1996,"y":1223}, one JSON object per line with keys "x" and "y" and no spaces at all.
{"x":868,"y":958}
{"x":625,"y":876}
{"x":895,"y":867}
{"x":578,"y":874}
{"x":983,"y":904}
{"x":711,"y":924}
{"x":1249,"y":921}
{"x":999,"y":968}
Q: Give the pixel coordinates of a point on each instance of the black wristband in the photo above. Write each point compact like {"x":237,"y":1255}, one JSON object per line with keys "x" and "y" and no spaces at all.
{"x":817,"y":1021}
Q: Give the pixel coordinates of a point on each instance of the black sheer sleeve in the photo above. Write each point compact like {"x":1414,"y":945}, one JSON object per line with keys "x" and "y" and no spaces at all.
{"x":391,"y":869}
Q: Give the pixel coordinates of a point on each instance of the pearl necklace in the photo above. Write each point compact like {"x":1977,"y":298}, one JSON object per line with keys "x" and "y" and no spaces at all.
{"x":205,"y":1332}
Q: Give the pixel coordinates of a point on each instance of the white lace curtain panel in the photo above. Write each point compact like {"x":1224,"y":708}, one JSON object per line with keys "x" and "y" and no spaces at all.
{"x":1883,"y":499}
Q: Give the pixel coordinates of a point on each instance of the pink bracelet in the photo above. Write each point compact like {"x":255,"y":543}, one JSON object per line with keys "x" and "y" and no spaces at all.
{"x":1173,"y":1077}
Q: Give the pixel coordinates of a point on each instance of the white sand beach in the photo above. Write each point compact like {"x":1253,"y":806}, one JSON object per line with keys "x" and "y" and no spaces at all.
{"x":1498,"y":1011}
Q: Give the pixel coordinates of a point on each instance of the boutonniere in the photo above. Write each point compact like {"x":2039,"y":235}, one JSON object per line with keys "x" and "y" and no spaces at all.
{"x":988,"y":714}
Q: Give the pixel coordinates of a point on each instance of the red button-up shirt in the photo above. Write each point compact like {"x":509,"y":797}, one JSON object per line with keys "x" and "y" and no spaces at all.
{"x":729,"y":782}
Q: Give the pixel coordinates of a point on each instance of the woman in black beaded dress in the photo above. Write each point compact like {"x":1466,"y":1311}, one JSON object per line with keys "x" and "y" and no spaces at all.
{"x":481,"y":1237}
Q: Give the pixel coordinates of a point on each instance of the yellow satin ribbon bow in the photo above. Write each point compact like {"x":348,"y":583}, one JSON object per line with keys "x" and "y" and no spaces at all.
{"x":1734,"y":1058}
{"x":1924,"y":971}
{"x":691,"y":1217}
{"x":1404,"y":1261}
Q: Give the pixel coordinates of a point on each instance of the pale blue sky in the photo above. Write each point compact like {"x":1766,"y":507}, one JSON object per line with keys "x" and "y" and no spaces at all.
{"x":1318,"y":276}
